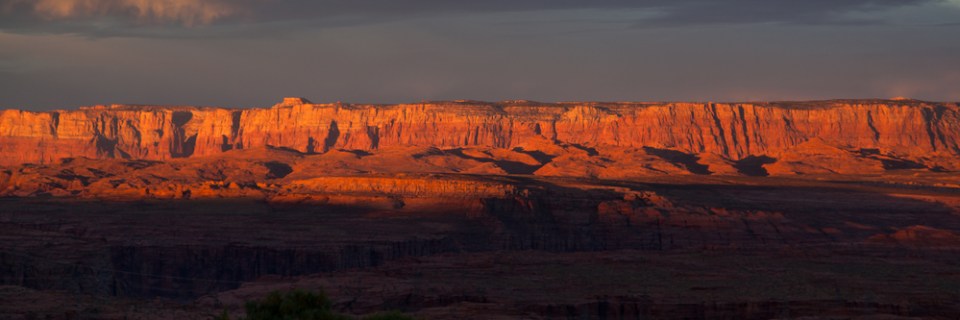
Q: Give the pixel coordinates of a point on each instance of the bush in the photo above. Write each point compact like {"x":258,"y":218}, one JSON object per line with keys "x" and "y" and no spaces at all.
{"x":301,"y":305}
{"x":293,"y":305}
{"x":389,"y":316}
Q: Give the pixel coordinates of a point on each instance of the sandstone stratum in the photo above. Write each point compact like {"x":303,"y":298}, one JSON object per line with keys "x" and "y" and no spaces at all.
{"x":518,"y":137}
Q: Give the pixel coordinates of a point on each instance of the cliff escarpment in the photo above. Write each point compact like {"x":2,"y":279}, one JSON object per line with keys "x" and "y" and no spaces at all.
{"x":716,"y":136}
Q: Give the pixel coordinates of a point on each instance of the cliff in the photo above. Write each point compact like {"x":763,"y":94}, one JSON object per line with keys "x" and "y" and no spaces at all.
{"x":904,"y":133}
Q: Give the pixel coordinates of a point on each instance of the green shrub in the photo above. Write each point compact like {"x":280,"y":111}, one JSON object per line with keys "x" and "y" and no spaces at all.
{"x":301,"y":305}
{"x":223,"y":315}
{"x":388,"y":316}
{"x":293,"y":305}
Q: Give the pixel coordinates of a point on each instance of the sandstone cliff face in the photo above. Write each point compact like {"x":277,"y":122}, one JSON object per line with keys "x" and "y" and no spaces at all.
{"x":921,"y":132}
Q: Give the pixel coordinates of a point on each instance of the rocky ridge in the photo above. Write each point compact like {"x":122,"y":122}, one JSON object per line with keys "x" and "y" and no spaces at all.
{"x":817,"y":136}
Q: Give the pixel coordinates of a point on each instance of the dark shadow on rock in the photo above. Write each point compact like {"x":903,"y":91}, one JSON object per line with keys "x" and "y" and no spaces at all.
{"x":890,"y":163}
{"x":137,"y":164}
{"x":895,"y":164}
{"x":332,"y":137}
{"x":686,"y":160}
{"x":106,"y":147}
{"x":511,"y":167}
{"x":181,"y":118}
{"x":373,"y":132}
{"x":429,"y":151}
{"x":235,"y":123}
{"x":536,"y":154}
{"x":359,"y":153}
{"x":225,"y":144}
{"x":125,"y":155}
{"x":753,"y":165}
{"x":286,"y":149}
{"x":277,"y":169}
{"x":69,"y":175}
{"x":590,"y":151}
{"x":189,"y":146}
{"x":311,"y":145}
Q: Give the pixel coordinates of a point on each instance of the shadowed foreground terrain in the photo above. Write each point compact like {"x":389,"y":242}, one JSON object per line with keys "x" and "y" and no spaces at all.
{"x":845,"y":214}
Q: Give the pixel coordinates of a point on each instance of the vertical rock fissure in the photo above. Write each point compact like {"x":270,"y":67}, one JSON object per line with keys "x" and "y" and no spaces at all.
{"x":373,"y":132}
{"x":941,"y":138}
{"x":928,"y":124}
{"x":332,"y":135}
{"x":54,"y":127}
{"x":235,"y":124}
{"x":182,"y":146}
{"x":873,"y":128}
{"x":720,"y":139}
{"x":744,"y":131}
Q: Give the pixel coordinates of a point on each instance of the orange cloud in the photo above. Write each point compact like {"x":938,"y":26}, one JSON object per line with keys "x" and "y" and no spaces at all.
{"x":186,"y":12}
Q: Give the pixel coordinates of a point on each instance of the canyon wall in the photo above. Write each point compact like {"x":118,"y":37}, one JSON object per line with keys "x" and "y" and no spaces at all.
{"x":907,"y":129}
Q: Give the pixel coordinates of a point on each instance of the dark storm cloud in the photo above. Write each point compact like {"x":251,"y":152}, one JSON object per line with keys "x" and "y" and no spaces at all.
{"x":219,"y":17}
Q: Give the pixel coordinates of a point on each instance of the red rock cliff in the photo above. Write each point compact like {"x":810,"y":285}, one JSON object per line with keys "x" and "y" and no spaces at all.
{"x":914,"y":130}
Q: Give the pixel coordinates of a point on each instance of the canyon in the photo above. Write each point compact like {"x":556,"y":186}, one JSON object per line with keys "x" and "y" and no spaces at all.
{"x":477,"y":210}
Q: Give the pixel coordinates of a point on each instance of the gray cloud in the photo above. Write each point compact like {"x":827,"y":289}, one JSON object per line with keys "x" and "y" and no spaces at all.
{"x":122,"y":51}
{"x":222,"y":17}
{"x":776,"y":11}
{"x":187,"y":12}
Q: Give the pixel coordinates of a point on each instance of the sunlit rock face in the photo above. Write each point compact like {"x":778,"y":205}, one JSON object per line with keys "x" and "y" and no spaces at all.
{"x":883,"y":132}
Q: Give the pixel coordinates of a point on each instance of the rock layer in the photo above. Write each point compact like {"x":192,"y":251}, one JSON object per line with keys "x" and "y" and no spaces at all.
{"x":924,"y":133}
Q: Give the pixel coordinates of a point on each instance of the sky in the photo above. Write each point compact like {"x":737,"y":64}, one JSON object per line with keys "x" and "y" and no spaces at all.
{"x":244,"y":53}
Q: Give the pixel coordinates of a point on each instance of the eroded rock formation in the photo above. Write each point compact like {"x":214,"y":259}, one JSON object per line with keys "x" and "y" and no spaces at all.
{"x":891,"y":132}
